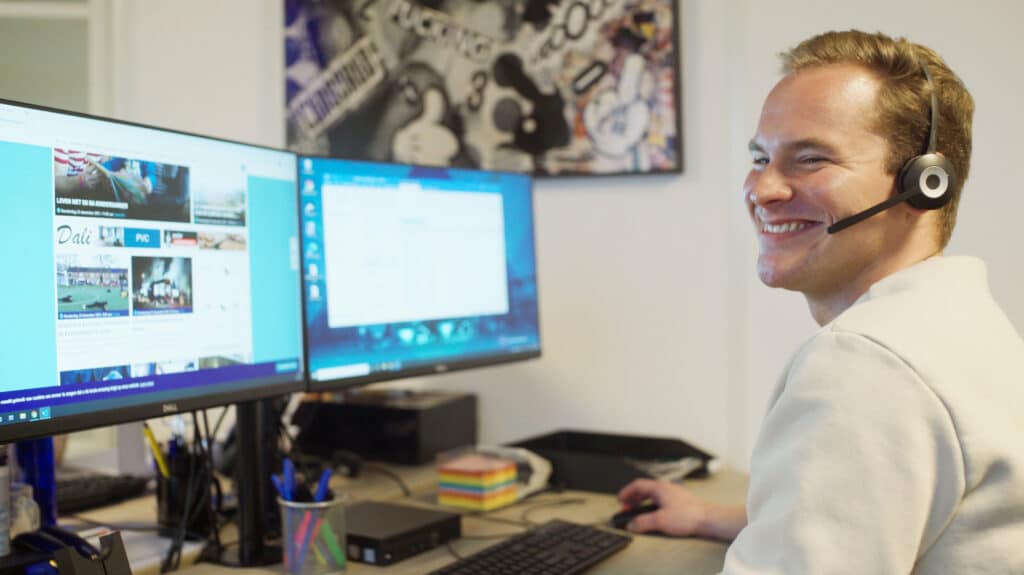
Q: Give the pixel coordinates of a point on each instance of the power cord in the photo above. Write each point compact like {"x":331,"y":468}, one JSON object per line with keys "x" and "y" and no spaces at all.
{"x":391,"y":475}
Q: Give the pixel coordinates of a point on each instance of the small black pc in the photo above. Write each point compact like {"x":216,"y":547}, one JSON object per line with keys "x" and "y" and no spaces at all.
{"x":386,"y":533}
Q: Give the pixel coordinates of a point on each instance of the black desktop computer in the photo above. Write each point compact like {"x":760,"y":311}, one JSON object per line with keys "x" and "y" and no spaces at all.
{"x":397,"y":426}
{"x":150,"y":272}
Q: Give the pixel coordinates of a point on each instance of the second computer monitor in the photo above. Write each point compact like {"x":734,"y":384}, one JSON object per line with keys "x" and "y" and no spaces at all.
{"x":412,"y":270}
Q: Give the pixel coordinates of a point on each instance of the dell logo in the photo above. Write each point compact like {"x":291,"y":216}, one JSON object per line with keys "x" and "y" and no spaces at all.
{"x":170,"y":407}
{"x":440,"y":368}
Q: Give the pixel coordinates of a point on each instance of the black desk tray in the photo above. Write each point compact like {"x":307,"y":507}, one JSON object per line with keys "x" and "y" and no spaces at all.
{"x":605,"y":463}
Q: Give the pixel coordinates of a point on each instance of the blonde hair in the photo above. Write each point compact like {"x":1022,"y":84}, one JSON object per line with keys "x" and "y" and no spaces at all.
{"x":904,"y":100}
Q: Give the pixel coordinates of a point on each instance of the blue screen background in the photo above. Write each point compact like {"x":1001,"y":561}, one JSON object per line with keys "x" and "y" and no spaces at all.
{"x":273,"y":229}
{"x":30,"y":340}
{"x":404,"y":345}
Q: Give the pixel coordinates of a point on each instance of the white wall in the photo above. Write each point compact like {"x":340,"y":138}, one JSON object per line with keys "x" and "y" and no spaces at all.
{"x":652,"y":318}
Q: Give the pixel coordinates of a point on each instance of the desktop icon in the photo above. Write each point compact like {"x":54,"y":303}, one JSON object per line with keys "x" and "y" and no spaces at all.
{"x":313,"y":251}
{"x":311,"y":229}
{"x":307,"y":165}
{"x":22,"y":415}
{"x":314,"y":292}
{"x":314,"y":271}
{"x":310,"y":209}
{"x":308,"y":187}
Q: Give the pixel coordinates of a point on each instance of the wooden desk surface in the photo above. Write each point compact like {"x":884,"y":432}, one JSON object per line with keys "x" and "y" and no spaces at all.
{"x":646,"y":555}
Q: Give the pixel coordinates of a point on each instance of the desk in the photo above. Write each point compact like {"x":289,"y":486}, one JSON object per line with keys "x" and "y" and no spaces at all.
{"x":646,"y":555}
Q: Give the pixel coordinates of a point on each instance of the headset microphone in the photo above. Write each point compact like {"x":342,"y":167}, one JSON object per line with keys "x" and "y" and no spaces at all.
{"x":924,"y":182}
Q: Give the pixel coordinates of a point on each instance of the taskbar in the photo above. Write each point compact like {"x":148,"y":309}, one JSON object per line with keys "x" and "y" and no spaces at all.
{"x":45,"y":403}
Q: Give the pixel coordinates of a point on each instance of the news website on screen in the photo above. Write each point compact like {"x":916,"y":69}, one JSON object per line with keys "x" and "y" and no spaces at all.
{"x":146,"y":261}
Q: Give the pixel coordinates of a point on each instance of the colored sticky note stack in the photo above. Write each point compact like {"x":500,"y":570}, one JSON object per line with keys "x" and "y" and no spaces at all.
{"x":477,"y":482}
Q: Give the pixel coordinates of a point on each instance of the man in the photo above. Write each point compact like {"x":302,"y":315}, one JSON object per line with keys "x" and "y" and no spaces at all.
{"x":893,"y":443}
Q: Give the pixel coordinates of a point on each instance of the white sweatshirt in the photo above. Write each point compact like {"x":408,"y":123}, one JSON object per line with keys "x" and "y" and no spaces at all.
{"x":895,"y":440}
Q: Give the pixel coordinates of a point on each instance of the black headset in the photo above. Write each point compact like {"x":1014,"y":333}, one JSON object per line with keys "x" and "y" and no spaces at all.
{"x":924,"y":181}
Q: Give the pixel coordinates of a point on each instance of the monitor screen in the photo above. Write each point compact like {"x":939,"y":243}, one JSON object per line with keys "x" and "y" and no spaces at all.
{"x":411,"y":270}
{"x":148,"y":272}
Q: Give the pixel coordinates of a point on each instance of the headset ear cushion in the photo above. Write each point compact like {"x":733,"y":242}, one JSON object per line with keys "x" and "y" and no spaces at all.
{"x":933,"y":179}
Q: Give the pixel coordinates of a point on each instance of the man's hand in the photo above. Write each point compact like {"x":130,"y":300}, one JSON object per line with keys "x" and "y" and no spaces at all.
{"x":680,"y":512}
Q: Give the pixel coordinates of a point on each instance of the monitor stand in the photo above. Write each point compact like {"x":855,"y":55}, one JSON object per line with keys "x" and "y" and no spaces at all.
{"x":256,"y":429}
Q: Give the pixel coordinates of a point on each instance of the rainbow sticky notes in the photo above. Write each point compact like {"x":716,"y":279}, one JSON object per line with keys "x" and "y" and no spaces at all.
{"x":477,"y":482}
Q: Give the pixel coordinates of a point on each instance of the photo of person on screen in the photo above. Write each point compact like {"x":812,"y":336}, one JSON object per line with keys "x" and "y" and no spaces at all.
{"x":96,"y":185}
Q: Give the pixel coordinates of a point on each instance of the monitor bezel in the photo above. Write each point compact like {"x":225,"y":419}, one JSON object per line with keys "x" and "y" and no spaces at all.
{"x":435,"y":368}
{"x":290,"y":383}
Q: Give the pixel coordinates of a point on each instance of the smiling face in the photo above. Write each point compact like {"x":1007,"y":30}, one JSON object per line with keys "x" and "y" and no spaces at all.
{"x":816,"y":160}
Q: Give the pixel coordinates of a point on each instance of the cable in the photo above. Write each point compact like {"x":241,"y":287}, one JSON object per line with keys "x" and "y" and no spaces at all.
{"x":140,"y":527}
{"x":173,"y":558}
{"x":481,"y":515}
{"x":216,"y":426}
{"x":456,"y":554}
{"x":211,"y":510}
{"x":526,"y":512}
{"x":192,"y":505}
{"x":117,"y":527}
{"x":392,"y":475}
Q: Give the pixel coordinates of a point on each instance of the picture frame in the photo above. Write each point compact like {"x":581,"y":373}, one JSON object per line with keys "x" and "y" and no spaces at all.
{"x":548,"y":87}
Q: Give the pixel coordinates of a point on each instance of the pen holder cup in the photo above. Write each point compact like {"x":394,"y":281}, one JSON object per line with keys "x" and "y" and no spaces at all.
{"x":189,"y":484}
{"x":313,"y":535}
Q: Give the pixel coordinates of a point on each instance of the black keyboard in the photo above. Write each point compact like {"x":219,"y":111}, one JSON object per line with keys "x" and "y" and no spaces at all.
{"x":85,"y":491}
{"x":554,"y":548}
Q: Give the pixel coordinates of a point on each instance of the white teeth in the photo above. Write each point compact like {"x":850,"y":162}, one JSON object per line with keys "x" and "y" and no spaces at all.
{"x":783,"y":228}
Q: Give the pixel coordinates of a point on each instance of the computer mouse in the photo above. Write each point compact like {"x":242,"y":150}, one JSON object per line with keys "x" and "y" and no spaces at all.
{"x":621,"y":519}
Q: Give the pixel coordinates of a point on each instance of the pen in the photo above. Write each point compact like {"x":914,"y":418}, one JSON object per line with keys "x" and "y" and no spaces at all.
{"x":289,"y":479}
{"x":310,"y":541}
{"x":158,"y":455}
{"x":278,"y":485}
{"x":321,"y":486}
{"x":288,"y":474}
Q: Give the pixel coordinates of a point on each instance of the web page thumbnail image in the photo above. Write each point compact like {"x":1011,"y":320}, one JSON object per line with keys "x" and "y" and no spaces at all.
{"x":161,"y":285}
{"x":222,"y":204}
{"x":92,"y":286}
{"x":94,"y":375}
{"x":222,"y":241}
{"x":97,"y":185}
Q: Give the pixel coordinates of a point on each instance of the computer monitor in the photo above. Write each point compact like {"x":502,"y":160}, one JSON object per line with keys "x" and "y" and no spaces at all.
{"x":411,"y":270}
{"x":147,"y":272}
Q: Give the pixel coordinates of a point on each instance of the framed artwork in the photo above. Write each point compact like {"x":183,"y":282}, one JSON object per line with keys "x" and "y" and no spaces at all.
{"x":550,"y":87}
